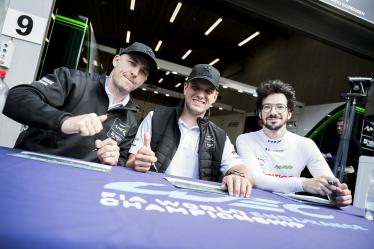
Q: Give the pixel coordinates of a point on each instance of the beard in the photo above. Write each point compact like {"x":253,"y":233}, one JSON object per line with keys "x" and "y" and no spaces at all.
{"x":274,"y":127}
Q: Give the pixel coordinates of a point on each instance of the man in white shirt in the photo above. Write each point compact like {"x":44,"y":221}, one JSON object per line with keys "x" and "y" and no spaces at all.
{"x":182,"y":141}
{"x":276,"y":157}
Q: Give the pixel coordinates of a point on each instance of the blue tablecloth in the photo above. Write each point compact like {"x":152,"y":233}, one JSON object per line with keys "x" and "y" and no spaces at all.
{"x":45,"y":205}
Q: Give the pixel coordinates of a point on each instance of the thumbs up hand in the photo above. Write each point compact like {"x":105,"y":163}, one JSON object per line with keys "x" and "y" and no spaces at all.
{"x":145,"y":157}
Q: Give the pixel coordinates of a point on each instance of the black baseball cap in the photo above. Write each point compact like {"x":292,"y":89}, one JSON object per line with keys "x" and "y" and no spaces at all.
{"x":147,"y":52}
{"x":205,"y":71}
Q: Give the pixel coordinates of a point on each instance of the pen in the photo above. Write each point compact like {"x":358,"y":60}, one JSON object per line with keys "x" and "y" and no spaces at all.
{"x":154,"y":167}
{"x":331,"y":182}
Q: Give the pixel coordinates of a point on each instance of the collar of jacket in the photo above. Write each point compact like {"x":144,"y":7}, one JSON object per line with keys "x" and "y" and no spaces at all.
{"x":130,"y":106}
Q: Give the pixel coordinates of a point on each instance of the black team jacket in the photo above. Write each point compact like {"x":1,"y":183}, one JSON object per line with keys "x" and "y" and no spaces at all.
{"x":44,"y":104}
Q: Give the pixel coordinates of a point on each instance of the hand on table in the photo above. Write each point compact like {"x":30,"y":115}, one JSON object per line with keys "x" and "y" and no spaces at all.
{"x":321,"y":185}
{"x":107,"y":151}
{"x":236,"y":185}
{"x":342,"y":196}
{"x":338,"y":193}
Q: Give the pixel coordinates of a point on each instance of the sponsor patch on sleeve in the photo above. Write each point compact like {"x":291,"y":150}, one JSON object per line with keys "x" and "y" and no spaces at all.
{"x":118,"y":130}
{"x":45,"y":81}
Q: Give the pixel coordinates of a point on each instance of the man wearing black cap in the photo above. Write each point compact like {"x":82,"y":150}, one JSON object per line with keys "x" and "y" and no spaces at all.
{"x":80,"y":115}
{"x":182,"y":141}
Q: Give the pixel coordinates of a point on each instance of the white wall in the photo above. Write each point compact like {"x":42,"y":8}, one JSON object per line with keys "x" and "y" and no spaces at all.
{"x":233,"y":124}
{"x":24,"y":63}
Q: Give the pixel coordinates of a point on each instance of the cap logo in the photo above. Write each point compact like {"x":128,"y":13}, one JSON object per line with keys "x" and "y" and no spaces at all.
{"x":148,"y":52}
{"x":206,"y":71}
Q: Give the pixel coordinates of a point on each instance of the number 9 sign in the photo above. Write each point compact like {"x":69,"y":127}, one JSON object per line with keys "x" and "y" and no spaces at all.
{"x":24,"y":26}
{"x":25,"y":23}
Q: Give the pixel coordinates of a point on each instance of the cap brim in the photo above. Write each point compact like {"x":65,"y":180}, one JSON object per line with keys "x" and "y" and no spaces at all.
{"x":205,"y":78}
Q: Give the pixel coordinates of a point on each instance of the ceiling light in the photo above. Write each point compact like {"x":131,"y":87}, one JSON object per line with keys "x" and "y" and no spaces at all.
{"x":177,"y":85}
{"x":155,"y":92}
{"x":215,"y":24}
{"x":248,"y":38}
{"x":174,"y":72}
{"x":128,"y":34}
{"x":214,"y":62}
{"x":175,"y":13}
{"x":160,"y":80}
{"x":167,"y":95}
{"x":46,"y":40}
{"x":53,"y":16}
{"x":186,"y":78}
{"x":186,"y":54}
{"x":220,"y":108}
{"x":144,"y":89}
{"x":224,"y":86}
{"x":240,"y":91}
{"x":158,"y":45}
{"x":167,"y":72}
{"x":132,"y":5}
{"x":254,"y":94}
{"x":95,"y":63}
{"x":84,"y":60}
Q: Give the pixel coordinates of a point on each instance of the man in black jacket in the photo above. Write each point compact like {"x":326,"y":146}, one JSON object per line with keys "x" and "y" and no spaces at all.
{"x":183,"y":141}
{"x":80,"y":115}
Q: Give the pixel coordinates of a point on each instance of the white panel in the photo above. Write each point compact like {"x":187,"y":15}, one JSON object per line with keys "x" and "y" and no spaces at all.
{"x":24,"y":26}
{"x":24,"y":64}
{"x":233,"y":124}
{"x":366,"y":164}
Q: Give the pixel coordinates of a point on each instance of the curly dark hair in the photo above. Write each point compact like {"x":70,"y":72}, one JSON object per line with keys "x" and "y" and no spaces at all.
{"x":269,"y":87}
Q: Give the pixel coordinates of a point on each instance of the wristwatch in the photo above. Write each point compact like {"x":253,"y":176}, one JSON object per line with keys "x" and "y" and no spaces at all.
{"x":235,"y":172}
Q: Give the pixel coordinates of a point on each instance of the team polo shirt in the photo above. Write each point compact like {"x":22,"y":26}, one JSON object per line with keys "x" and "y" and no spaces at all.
{"x":276,"y":164}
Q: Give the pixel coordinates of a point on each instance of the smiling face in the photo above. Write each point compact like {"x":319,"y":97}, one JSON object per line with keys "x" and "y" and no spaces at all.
{"x":200,"y":95}
{"x":130,"y":72}
{"x":274,"y":113}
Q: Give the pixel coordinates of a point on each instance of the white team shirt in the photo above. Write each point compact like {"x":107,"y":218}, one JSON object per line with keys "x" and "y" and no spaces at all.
{"x":276,"y":165}
{"x":185,"y":161}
